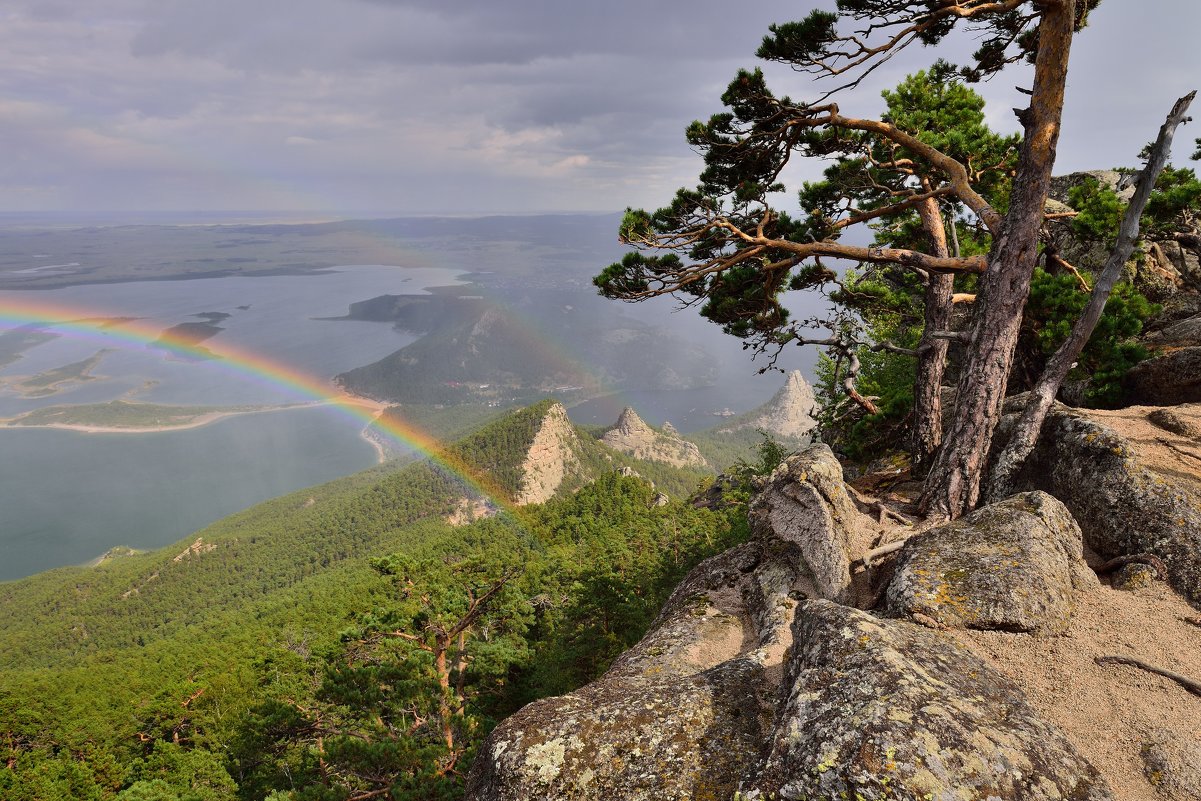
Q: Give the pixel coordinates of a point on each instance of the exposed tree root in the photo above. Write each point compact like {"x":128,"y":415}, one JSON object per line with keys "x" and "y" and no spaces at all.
{"x":883,"y":550}
{"x":1141,"y":558}
{"x":1192,"y":685}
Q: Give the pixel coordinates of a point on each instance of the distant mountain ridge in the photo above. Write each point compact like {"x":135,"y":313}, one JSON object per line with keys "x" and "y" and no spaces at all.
{"x":474,"y":350}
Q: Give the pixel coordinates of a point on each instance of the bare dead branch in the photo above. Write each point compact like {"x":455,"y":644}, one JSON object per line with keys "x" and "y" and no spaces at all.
{"x":1025,"y":433}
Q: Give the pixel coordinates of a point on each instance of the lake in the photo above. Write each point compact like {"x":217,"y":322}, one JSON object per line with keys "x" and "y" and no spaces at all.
{"x":66,"y":497}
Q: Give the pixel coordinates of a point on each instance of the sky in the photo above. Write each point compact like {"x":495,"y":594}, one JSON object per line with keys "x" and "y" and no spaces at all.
{"x":345,"y":107}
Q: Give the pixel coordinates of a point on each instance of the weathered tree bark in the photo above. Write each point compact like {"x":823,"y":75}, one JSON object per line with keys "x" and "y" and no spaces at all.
{"x":932,"y":351}
{"x":1025,"y":434}
{"x":953,"y":486}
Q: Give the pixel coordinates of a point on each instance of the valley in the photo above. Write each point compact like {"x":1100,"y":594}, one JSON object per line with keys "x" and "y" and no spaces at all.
{"x":475,"y":317}
{"x":240,"y":612}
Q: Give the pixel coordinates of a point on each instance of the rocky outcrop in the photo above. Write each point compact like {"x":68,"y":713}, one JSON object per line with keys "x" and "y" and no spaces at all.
{"x":1173,"y":374}
{"x":681,"y":715}
{"x":550,"y":459}
{"x":632,"y":436}
{"x":196,"y":549}
{"x":1134,"y":577}
{"x":1172,"y":764}
{"x":1184,"y":333}
{"x":469,"y":510}
{"x":740,"y":688}
{"x":1011,"y":566}
{"x":1167,"y":379}
{"x":1127,"y":498}
{"x":1178,"y":261}
{"x":887,"y":709}
{"x":746,"y":684}
{"x":1173,"y":423}
{"x":806,"y":517}
{"x":643,"y":740}
{"x":1167,"y":265}
{"x":789,"y":413}
{"x":714,"y":496}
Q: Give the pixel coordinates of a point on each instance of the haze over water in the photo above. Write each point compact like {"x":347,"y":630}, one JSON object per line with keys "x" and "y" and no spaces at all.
{"x":66,"y":497}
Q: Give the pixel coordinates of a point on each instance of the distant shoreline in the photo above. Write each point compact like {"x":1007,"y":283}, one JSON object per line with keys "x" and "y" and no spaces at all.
{"x":368,"y":433}
{"x":195,"y":422}
{"x":344,"y":399}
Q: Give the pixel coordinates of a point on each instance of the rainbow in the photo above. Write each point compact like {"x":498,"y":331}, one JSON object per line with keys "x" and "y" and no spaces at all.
{"x":92,"y":322}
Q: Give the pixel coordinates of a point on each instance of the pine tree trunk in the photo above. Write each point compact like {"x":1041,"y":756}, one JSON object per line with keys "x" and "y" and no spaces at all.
{"x":441,"y":646}
{"x":932,"y":351}
{"x":953,"y":486}
{"x":1025,"y":433}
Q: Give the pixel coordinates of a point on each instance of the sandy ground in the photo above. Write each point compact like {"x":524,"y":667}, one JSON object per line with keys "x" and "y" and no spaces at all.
{"x":1175,"y":457}
{"x":1107,"y":711}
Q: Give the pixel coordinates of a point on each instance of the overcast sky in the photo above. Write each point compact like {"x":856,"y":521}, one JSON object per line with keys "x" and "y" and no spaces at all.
{"x":459,"y":106}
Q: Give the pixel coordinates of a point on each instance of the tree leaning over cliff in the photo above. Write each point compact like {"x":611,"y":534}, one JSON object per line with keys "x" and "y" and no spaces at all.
{"x":740,"y":253}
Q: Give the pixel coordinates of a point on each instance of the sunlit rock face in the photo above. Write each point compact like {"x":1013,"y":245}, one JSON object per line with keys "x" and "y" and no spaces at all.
{"x":550,"y":459}
{"x":789,"y":413}
{"x":1011,"y":566}
{"x":1130,"y":495}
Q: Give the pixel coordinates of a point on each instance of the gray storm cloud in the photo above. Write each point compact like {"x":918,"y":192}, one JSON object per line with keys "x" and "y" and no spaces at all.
{"x":415,"y":106}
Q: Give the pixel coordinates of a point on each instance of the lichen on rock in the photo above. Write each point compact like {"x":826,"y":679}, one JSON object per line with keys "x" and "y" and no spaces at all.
{"x":885,"y":709}
{"x":1123,"y":506}
{"x":1010,"y":566}
{"x":806,"y":516}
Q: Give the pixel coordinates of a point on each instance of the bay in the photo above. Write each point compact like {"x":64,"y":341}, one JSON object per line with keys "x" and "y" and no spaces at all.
{"x":66,"y":497}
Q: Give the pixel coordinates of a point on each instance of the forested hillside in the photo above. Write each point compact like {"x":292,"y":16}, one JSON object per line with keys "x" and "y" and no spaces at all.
{"x":203,"y":671}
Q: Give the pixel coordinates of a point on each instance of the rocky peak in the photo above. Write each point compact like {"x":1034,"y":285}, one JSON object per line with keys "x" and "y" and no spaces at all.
{"x":631,"y":435}
{"x":790,"y":411}
{"x":630,"y":424}
{"x":550,"y":459}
